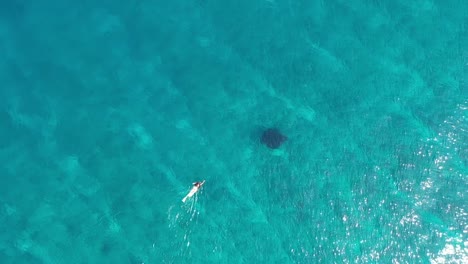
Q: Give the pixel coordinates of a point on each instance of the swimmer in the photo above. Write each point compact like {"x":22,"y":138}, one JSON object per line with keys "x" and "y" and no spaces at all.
{"x":195,"y":188}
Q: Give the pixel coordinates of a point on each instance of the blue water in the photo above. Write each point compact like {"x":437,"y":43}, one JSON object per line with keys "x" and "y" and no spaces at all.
{"x":109,"y":110}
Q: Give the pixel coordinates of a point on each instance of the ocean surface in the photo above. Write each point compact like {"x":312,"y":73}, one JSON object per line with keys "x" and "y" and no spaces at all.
{"x":110,"y":110}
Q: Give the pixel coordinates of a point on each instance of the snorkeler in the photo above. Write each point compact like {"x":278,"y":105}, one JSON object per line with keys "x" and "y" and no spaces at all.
{"x":195,"y":188}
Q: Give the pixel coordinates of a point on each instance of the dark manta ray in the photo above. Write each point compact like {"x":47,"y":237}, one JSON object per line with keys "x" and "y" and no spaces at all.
{"x":272,"y":138}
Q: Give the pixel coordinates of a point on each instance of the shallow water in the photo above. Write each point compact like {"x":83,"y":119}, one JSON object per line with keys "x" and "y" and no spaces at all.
{"x":110,"y":111}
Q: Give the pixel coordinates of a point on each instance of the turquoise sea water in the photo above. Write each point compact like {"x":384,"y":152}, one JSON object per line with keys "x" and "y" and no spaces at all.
{"x":111,"y":109}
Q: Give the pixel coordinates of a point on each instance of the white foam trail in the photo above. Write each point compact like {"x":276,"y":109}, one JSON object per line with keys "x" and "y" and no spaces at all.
{"x":182,"y":222}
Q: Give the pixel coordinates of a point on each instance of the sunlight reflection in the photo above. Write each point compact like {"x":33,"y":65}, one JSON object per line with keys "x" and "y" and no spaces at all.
{"x":455,"y":251}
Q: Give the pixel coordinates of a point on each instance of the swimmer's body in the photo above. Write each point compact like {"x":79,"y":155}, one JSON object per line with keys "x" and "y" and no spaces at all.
{"x":195,"y":188}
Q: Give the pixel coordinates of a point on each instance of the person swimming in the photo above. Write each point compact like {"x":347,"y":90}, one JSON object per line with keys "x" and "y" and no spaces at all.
{"x":195,"y":188}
